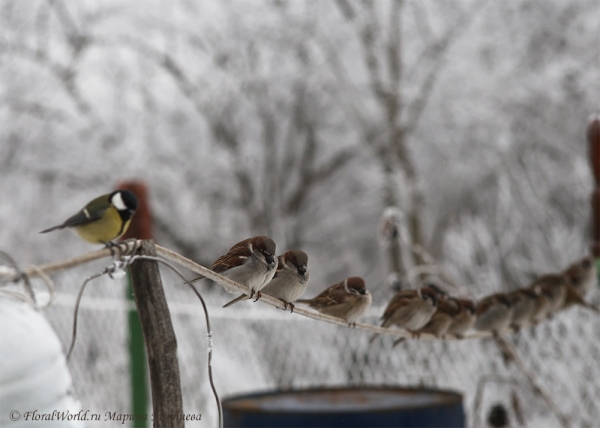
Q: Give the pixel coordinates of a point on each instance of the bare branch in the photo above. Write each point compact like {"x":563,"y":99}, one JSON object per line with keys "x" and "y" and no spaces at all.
{"x":394,"y":46}
{"x":346,"y":9}
{"x":64,"y":74}
{"x":66,"y":19}
{"x":368,"y":35}
{"x":418,"y":105}
{"x":420,"y":19}
{"x":438,"y":52}
{"x":41,"y":27}
{"x":38,"y":110}
{"x":224,"y":134}
{"x":168,"y":63}
{"x":310,"y":175}
{"x":337,"y":162}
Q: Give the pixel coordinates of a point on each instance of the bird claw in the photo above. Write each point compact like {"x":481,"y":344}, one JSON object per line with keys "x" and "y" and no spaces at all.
{"x":111,"y":246}
{"x":127,"y":250}
{"x":258,"y":295}
{"x":285,"y":306}
{"x":120,"y":249}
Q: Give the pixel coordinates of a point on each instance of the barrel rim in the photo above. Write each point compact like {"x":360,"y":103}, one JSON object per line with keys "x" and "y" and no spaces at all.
{"x":452,"y":398}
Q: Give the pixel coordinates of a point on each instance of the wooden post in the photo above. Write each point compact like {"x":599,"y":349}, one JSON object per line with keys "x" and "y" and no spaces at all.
{"x":593,"y":137}
{"x":161,"y":343}
{"x":140,"y":228}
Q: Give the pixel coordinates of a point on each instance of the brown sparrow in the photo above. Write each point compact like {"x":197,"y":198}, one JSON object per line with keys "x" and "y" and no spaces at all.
{"x":348,"y":300}
{"x":581,"y":277}
{"x":464,"y":320}
{"x":250,"y":262}
{"x":573,"y":298}
{"x":410,"y":309}
{"x":524,"y":303}
{"x":554,"y":286}
{"x":493,"y":313}
{"x":448,"y":309}
{"x":542,"y":304}
{"x":290,"y":280}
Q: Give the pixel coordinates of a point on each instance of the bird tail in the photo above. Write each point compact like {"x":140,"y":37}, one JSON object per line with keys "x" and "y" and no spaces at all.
{"x":237,"y":299}
{"x":195,"y":279}
{"x":60,"y":226}
{"x":398,"y":342}
{"x":375,"y":336}
{"x":590,"y":306}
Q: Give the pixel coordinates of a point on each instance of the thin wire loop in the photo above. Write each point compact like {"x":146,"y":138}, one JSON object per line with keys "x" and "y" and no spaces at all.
{"x":208,"y":328}
{"x":77,"y":302}
{"x":112,"y":270}
{"x":21,"y":276}
{"x":48,"y":282}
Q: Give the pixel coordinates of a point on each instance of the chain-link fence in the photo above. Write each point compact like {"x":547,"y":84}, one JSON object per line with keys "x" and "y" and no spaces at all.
{"x":258,"y":347}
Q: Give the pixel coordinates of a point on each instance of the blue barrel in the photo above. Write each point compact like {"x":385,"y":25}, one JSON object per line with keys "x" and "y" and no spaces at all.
{"x":346,"y":407}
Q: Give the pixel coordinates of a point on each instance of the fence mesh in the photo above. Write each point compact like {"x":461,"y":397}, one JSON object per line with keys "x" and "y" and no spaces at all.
{"x":257,"y":347}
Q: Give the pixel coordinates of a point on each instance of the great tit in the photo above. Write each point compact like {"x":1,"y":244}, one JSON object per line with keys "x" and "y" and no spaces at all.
{"x":104,"y":219}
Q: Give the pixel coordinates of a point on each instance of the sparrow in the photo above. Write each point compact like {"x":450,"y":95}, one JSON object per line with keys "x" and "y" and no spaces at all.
{"x":573,"y":298}
{"x":493,"y":313}
{"x":581,"y":277}
{"x":524,"y":303}
{"x":348,"y":300}
{"x":410,"y":309}
{"x":542,"y":304}
{"x":464,"y":320}
{"x":554,"y":286}
{"x":290,"y":280}
{"x":250,"y":262}
{"x":447,"y":310}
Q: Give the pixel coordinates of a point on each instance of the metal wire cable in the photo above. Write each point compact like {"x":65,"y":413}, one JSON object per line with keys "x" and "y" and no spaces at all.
{"x":114,"y":270}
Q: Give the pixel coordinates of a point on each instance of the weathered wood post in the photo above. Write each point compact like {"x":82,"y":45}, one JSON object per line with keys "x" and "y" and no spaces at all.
{"x":140,"y":228}
{"x":161,"y":343}
{"x":593,"y":137}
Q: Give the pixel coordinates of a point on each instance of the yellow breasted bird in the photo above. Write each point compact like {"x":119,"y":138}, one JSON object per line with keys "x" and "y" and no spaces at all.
{"x":104,"y":219}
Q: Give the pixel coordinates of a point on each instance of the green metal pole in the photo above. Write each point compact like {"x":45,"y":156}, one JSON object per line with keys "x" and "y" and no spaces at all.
{"x":137,"y":365}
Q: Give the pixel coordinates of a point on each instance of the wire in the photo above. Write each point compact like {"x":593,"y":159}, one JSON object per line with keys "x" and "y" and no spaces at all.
{"x":114,"y":271}
{"x":208,"y":328}
{"x":49,"y":284}
{"x":77,"y":302}
{"x":21,"y":276}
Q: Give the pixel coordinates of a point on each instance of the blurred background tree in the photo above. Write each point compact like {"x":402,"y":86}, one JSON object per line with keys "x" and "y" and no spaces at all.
{"x":307,"y":120}
{"x":304,"y":121}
